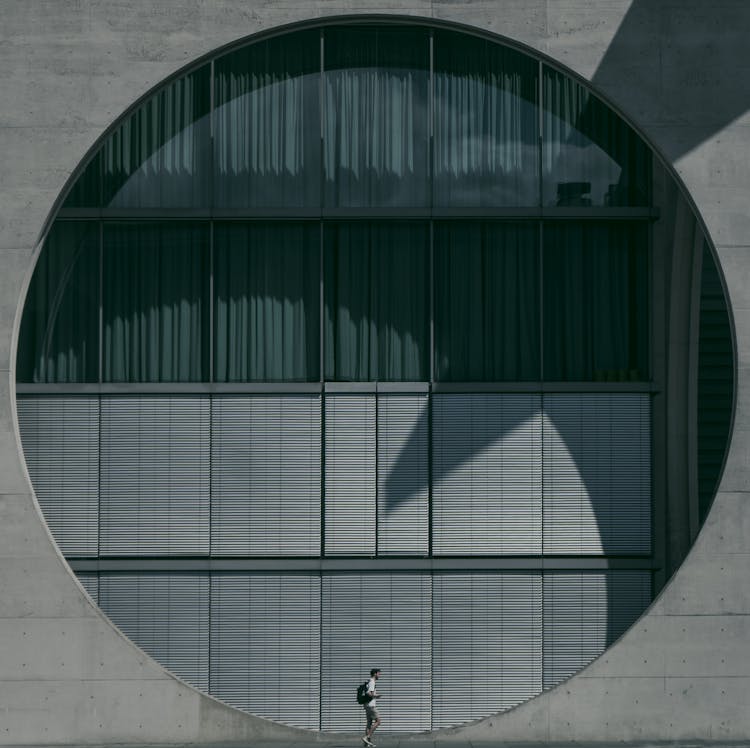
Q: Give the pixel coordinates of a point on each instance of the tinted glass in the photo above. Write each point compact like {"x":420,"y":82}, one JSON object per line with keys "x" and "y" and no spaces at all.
{"x":376,"y":135}
{"x":486,"y":124}
{"x":267,"y":137}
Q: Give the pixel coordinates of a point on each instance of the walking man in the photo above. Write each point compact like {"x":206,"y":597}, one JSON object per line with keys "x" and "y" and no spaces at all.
{"x":371,"y":707}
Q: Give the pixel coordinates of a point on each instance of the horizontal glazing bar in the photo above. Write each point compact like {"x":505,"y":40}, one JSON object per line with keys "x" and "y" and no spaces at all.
{"x":179,"y":388}
{"x":390,"y":564}
{"x":191,"y":214}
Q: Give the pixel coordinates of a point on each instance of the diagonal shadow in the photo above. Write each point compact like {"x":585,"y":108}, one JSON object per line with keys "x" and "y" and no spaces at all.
{"x":611,"y":488}
{"x":675,"y":64}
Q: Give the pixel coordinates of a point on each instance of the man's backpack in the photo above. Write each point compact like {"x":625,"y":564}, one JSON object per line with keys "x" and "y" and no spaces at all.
{"x":362,"y":697}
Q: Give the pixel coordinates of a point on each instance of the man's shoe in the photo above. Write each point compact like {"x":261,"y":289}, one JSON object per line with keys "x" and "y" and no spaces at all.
{"x":366,"y":741}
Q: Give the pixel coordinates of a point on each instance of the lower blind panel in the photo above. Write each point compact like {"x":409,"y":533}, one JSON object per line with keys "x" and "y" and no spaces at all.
{"x":453,"y":647}
{"x":265,"y":645}
{"x":164,"y":614}
{"x":487,"y":644}
{"x":376,"y":621}
{"x":584,"y":613}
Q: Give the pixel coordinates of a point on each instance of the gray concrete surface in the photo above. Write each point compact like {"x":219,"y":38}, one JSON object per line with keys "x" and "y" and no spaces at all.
{"x":676,"y":69}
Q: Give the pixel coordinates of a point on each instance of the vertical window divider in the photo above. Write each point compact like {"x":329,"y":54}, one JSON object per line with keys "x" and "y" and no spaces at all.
{"x":540,"y":133}
{"x":541,"y":394}
{"x":430,"y":388}
{"x":211,"y":129}
{"x":322,"y":399}
{"x":211,"y":333}
{"x":376,"y":398}
{"x":100,"y":334}
{"x":431,"y":121}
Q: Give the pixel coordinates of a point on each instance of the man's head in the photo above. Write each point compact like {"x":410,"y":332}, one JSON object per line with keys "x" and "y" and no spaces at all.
{"x":375,"y":673}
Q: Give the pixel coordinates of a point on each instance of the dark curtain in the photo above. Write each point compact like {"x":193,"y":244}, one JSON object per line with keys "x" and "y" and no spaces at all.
{"x":59,"y":336}
{"x":376,"y":135}
{"x":376,"y":301}
{"x":267,"y":302}
{"x":486,"y":124}
{"x":155,"y":302}
{"x":159,"y":157}
{"x":486,"y":301}
{"x":590,"y":156}
{"x":596,"y":301}
{"x":267,"y":143}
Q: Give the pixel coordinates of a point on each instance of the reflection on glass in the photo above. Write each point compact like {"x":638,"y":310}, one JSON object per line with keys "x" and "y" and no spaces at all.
{"x":155,"y":302}
{"x":375,"y":140}
{"x":376,"y":301}
{"x":159,"y":157}
{"x":486,"y":124}
{"x":486,"y":302}
{"x":267,"y":307}
{"x":589,"y":155}
{"x":60,"y":329}
{"x":267,"y":140}
{"x":595,"y":302}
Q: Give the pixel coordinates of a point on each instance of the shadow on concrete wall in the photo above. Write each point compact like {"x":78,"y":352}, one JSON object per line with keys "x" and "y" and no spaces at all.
{"x":676,"y":69}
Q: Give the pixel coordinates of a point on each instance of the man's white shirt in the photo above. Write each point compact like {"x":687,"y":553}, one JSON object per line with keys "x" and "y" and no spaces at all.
{"x":371,"y":691}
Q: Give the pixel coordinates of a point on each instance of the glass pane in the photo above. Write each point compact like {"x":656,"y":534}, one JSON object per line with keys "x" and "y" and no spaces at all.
{"x":589,"y":155}
{"x":376,"y":301}
{"x":86,"y":190}
{"x":486,"y":301}
{"x":155,"y":296}
{"x":267,"y":287}
{"x":596,"y":293}
{"x":59,"y":339}
{"x":267,"y":143}
{"x":486,"y":124}
{"x":159,"y":157}
{"x":376,"y":136}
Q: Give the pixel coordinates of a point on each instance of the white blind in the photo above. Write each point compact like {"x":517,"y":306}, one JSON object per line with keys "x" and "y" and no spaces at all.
{"x":376,"y":621}
{"x":403,"y":475}
{"x":350,"y":484}
{"x":597,"y":474}
{"x":155,"y":475}
{"x":584,"y":613}
{"x":486,"y":472}
{"x":60,"y":437}
{"x":265,"y":455}
{"x":265,"y":645}
{"x":487,"y":644}
{"x":164,"y":614}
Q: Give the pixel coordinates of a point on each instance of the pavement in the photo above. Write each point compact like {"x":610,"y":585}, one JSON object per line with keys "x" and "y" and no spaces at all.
{"x":386,"y":741}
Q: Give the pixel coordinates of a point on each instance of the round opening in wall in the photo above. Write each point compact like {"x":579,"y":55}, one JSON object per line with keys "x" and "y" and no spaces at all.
{"x":362,"y":344}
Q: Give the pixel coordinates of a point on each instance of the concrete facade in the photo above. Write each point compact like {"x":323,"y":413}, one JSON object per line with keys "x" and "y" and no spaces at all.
{"x":677,"y":70}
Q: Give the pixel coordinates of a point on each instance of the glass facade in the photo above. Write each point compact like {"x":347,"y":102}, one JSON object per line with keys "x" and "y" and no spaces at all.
{"x":354,"y":313}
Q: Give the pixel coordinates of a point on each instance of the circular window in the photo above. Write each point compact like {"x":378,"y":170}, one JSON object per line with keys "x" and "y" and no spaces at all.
{"x":346,"y":350}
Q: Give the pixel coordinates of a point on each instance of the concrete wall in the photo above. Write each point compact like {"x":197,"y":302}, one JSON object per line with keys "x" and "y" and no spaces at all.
{"x":677,"y":68}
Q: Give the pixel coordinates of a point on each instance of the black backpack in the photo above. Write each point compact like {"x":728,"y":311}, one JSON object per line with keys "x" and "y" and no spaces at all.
{"x":362,"y":697}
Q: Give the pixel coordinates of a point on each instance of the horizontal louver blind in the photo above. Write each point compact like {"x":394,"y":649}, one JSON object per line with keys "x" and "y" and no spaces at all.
{"x":155,"y":475}
{"x":487,"y":644}
{"x":60,"y":438}
{"x":486,"y":473}
{"x":350,"y":481}
{"x":164,"y":614}
{"x":376,"y":621}
{"x":403,"y":475}
{"x":597,"y":474}
{"x":90,"y":582}
{"x":265,"y":645}
{"x":265,"y":481}
{"x":584,"y":613}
